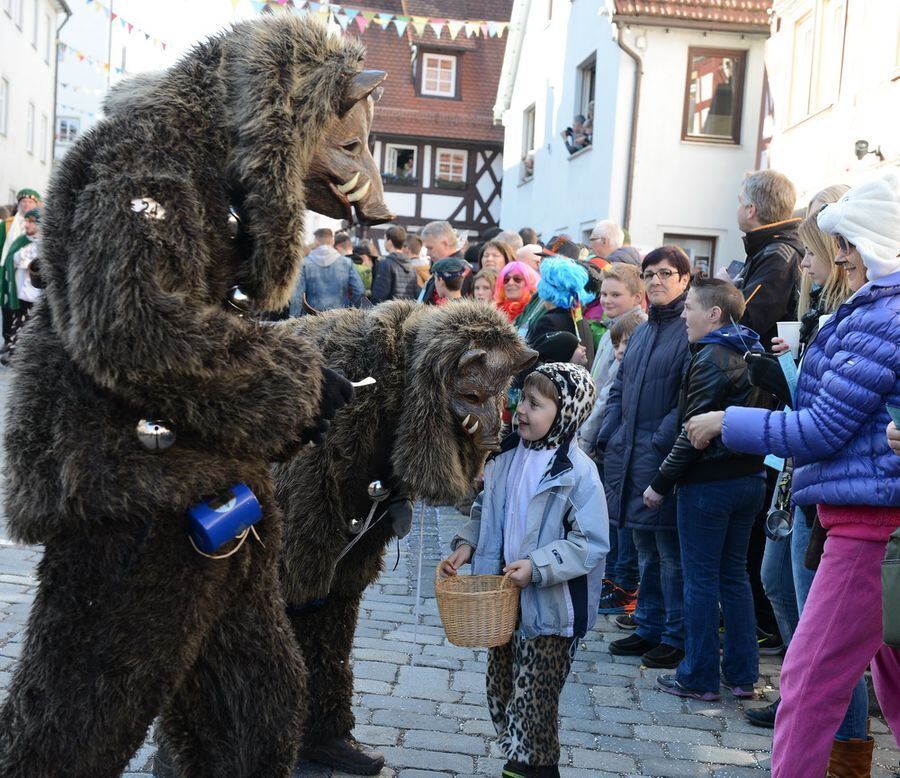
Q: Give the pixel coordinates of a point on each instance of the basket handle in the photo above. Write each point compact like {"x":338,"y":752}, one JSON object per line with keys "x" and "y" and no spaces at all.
{"x":505,"y":579}
{"x":437,"y":572}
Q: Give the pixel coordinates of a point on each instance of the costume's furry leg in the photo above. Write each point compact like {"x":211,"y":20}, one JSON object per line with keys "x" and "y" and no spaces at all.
{"x":325,"y":634}
{"x":118,"y":619}
{"x":239,"y":711}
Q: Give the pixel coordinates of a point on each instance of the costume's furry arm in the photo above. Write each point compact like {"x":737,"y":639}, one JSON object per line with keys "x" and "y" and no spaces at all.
{"x":143,"y":324}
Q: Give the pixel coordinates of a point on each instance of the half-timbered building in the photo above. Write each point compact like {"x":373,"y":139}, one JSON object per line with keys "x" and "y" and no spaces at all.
{"x":433,"y":136}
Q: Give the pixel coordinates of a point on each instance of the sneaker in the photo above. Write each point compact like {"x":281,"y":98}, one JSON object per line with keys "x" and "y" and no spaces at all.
{"x":617,"y":600}
{"x":671,"y":685}
{"x":763,"y":717}
{"x":743,"y":691}
{"x":633,"y":645}
{"x":663,"y":656}
{"x":769,"y":645}
{"x":626,"y":621}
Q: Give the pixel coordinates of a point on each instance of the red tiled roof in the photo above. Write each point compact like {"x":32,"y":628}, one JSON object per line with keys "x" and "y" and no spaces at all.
{"x":402,"y":111}
{"x":752,"y":13}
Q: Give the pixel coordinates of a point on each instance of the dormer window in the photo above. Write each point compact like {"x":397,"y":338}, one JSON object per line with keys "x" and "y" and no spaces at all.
{"x":439,"y":75}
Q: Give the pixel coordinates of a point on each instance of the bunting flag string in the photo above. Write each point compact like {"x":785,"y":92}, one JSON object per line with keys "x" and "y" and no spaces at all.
{"x":83,"y":89}
{"x":65,"y":50}
{"x":345,"y":16}
{"x":76,"y":109}
{"x":126,"y":25}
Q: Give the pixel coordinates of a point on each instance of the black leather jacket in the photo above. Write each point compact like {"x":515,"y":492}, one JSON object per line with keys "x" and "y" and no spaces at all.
{"x":716,"y":379}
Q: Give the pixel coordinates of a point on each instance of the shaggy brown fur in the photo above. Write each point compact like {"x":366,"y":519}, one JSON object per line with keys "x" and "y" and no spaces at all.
{"x":129,"y":622}
{"x":405,"y":430}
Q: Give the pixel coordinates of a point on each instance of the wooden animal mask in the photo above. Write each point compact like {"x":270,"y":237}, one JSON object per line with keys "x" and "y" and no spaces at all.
{"x":343,"y":176}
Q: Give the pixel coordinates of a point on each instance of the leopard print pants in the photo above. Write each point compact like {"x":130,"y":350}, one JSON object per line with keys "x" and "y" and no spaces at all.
{"x":524,"y":681}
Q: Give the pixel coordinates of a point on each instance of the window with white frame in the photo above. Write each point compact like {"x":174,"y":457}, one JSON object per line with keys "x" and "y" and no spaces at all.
{"x":29,"y":129}
{"x":801,"y":67}
{"x":439,"y":75}
{"x":4,"y":105}
{"x":399,"y":160}
{"x":45,"y":133}
{"x":587,"y":76}
{"x":818,"y":38}
{"x":34,"y":28}
{"x":48,"y":37}
{"x":528,"y":144}
{"x":19,"y":12}
{"x":67,"y":128}
{"x":450,"y":166}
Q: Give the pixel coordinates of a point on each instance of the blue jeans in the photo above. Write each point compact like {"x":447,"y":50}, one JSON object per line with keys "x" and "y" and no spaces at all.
{"x":714,"y":523}
{"x":622,"y":559}
{"x":856,"y":720}
{"x":659,"y":614}
{"x":778,"y":580}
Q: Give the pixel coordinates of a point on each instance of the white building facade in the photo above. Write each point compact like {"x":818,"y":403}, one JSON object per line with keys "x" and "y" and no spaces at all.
{"x":665,"y":159}
{"x":834,"y":76}
{"x":28,"y":34}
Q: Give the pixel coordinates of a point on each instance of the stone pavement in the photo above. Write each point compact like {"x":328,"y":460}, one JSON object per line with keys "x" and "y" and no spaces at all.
{"x":421,"y":700}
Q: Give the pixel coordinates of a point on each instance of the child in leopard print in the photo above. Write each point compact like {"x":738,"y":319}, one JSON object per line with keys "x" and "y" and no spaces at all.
{"x":542,"y":519}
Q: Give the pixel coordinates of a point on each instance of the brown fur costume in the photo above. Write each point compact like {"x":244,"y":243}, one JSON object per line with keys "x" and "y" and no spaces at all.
{"x":129,"y":621}
{"x":434,"y":366}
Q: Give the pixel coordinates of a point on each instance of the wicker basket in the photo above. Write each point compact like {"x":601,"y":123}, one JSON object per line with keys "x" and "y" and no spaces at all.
{"x":478,"y":611}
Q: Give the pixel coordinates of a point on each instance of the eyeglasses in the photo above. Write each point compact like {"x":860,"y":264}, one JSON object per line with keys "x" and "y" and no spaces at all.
{"x":514,"y":279}
{"x":664,"y":275}
{"x":844,"y":245}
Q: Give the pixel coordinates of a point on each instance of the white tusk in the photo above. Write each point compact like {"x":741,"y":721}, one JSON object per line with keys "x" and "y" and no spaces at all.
{"x":359,"y":193}
{"x":474,"y":428}
{"x":350,"y":185}
{"x":467,"y":420}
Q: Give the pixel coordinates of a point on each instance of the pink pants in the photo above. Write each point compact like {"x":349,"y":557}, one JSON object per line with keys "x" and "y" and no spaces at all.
{"x":839,"y":634}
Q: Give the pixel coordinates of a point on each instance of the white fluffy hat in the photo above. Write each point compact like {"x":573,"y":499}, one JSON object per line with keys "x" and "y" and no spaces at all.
{"x":868,"y":216}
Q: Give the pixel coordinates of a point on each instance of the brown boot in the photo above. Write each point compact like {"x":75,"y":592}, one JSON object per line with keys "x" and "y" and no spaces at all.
{"x":851,"y":758}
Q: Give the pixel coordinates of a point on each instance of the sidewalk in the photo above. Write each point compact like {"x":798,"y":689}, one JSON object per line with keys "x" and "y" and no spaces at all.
{"x":421,"y":700}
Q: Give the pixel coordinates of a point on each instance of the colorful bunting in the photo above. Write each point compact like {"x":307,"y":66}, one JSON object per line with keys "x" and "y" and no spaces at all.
{"x":113,"y":16}
{"x":344,"y":16}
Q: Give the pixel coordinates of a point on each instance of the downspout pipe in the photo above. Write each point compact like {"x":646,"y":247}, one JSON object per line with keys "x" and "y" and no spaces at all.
{"x":68,"y":12}
{"x":635,"y":112}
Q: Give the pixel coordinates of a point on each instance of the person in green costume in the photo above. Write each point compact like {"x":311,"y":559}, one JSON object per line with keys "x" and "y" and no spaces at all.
{"x":11,"y":230}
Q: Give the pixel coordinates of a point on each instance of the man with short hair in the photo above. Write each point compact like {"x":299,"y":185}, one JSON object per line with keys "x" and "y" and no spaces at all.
{"x":324,"y":236}
{"x":395,"y":278}
{"x":327,"y":280}
{"x":343,"y":245}
{"x":440,"y":240}
{"x":770,"y":279}
{"x":528,"y":235}
{"x":511,"y":239}
{"x":606,"y":237}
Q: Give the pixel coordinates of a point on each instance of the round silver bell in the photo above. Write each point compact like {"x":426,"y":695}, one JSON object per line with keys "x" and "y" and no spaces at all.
{"x":234,"y":223}
{"x":355,"y":526}
{"x":378,"y":492}
{"x":239,"y":299}
{"x":155,"y":435}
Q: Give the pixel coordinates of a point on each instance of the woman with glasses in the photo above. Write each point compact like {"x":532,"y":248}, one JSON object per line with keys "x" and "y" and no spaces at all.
{"x":639,"y":427}
{"x":516,"y":283}
{"x":842,"y":464}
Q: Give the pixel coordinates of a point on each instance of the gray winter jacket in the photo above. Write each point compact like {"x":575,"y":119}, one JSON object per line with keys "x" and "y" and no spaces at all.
{"x":395,"y":279}
{"x":566,"y":539}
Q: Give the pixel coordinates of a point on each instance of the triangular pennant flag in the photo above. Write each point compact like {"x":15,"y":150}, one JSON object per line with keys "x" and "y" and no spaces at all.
{"x":419,"y":23}
{"x":234,"y":5}
{"x":401,"y":27}
{"x":492,"y":29}
{"x":471,"y":29}
{"x":484,"y":29}
{"x":112,"y":16}
{"x":362,"y":22}
{"x":351,"y":13}
{"x":370,"y":15}
{"x":384,"y":20}
{"x":130,"y":27}
{"x":437,"y":26}
{"x":258,"y":5}
{"x":314,"y":6}
{"x":454,"y":26}
{"x":343,"y":20}
{"x":163,"y":44}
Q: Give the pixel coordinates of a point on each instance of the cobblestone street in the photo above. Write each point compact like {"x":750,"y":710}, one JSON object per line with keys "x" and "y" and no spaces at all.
{"x":421,"y":700}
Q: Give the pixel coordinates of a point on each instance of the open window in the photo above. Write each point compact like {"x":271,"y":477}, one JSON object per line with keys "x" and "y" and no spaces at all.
{"x":714,"y":95}
{"x":527,"y":172}
{"x":400,"y":165}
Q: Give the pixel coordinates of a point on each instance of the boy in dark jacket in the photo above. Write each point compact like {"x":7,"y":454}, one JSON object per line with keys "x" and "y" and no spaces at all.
{"x":395,"y":277}
{"x":719,"y":494}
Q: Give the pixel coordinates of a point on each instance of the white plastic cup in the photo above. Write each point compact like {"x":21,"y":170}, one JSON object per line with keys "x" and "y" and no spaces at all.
{"x":789,"y":332}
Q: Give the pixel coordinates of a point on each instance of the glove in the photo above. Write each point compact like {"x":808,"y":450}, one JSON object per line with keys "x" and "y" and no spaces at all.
{"x":337,"y":391}
{"x":765,"y":373}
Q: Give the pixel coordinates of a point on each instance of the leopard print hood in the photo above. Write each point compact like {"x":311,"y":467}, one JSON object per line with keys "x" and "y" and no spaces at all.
{"x":577,"y":394}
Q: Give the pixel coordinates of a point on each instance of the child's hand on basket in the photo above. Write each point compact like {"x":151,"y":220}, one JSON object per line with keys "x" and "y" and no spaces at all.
{"x":451,"y":564}
{"x":520,"y":572}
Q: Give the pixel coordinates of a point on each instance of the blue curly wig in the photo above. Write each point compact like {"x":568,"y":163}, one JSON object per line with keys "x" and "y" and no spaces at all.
{"x":562,"y":282}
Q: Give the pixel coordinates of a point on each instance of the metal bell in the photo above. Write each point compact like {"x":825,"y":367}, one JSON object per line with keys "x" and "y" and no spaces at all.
{"x":378,"y":492}
{"x":234,"y":223}
{"x":239,"y":300}
{"x":155,"y":435}
{"x":355,"y":526}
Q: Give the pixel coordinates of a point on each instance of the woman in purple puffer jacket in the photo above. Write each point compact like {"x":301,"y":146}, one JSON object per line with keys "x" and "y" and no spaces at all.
{"x":842,"y":464}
